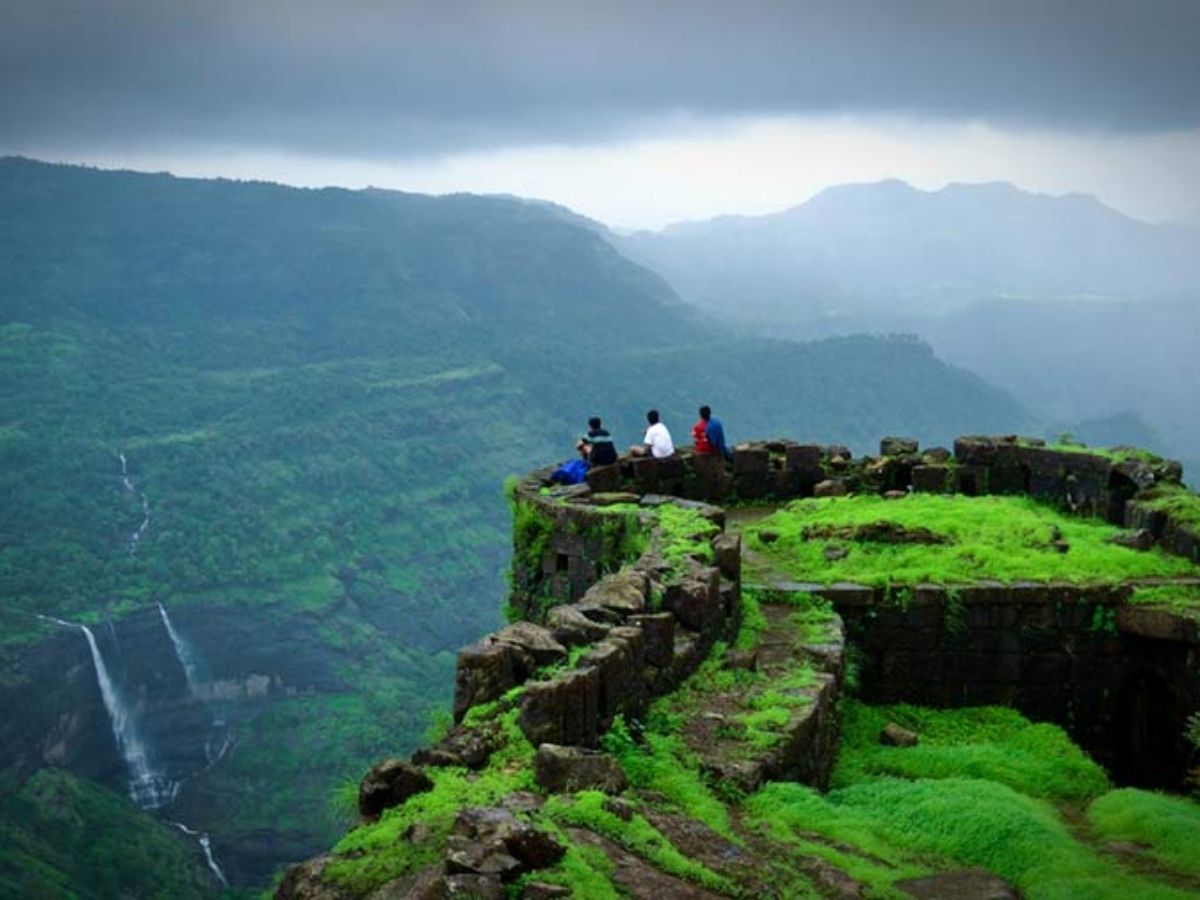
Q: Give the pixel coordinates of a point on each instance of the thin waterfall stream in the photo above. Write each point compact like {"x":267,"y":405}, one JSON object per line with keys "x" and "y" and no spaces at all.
{"x":149,"y":788}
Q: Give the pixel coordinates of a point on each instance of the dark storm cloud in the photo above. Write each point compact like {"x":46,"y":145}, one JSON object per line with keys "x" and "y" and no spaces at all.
{"x":398,"y":79}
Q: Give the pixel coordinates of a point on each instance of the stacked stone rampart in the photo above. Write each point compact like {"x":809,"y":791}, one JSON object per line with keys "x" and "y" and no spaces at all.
{"x":592,"y":646}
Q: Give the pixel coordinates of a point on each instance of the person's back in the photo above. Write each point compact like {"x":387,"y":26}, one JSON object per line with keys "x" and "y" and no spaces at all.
{"x":700,"y":438}
{"x":714,"y":434}
{"x":604,"y":452}
{"x":658,"y":439}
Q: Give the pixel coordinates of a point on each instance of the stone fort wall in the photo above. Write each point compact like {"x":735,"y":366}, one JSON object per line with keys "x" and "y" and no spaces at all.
{"x":1120,"y":678}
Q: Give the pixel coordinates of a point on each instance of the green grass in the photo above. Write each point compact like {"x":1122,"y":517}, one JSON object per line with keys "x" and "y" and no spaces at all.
{"x":1169,"y":825}
{"x":1176,"y":501}
{"x":979,"y":790}
{"x":379,"y":852}
{"x":661,"y":763}
{"x":587,"y":810}
{"x":684,"y":534}
{"x":1003,"y":538}
{"x":992,"y":743}
{"x":1178,"y":597}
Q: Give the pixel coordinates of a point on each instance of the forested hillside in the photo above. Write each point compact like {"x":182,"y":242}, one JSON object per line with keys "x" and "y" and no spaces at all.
{"x":285,"y":415}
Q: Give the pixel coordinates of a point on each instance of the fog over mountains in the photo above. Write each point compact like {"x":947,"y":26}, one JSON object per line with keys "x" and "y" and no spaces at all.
{"x":1083,"y":312}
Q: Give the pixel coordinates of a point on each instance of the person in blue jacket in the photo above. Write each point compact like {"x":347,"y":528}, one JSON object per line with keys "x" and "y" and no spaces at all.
{"x":573,"y":471}
{"x":714,"y":433}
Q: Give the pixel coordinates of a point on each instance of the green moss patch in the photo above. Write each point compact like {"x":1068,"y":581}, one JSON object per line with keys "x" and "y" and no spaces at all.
{"x":1002,"y":538}
{"x":992,"y":743}
{"x":977,"y":791}
{"x":1169,"y":826}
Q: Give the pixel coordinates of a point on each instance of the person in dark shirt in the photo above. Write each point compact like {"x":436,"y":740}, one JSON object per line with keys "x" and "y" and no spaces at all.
{"x":709,"y":435}
{"x":603,"y":452}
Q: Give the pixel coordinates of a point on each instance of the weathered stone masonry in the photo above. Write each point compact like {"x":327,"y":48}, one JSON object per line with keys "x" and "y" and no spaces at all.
{"x":1120,"y":678}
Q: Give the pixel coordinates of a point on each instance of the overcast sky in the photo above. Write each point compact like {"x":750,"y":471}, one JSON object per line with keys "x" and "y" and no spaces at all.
{"x":637,"y":113}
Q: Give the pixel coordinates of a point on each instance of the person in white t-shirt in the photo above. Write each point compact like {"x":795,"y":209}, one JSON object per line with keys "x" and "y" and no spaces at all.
{"x":657,"y":442}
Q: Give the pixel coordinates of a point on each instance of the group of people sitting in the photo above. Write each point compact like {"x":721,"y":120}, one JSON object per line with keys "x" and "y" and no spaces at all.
{"x":597,"y":447}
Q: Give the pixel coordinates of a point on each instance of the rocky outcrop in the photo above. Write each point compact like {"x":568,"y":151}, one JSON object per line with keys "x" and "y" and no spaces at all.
{"x":389,"y":784}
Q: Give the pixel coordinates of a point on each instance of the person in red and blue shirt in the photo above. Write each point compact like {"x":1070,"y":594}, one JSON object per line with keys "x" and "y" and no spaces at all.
{"x":708,"y":434}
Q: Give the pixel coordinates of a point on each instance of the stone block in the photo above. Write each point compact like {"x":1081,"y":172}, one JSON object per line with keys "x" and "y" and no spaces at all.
{"x":803,"y":457}
{"x":623,"y":592}
{"x":618,"y":660}
{"x":564,"y":710}
{"x":603,"y":479}
{"x":696,"y":599}
{"x":1007,"y":480}
{"x":897,"y":446}
{"x":486,"y":670}
{"x":970,"y":480}
{"x":752,"y":485}
{"x":644,"y":470}
{"x":931,"y":479}
{"x":751,"y":459}
{"x":709,"y":470}
{"x":535,"y":641}
{"x":565,"y":770}
{"x":658,"y":631}
{"x":727,"y":556}
{"x":571,"y":627}
{"x":686,"y":656}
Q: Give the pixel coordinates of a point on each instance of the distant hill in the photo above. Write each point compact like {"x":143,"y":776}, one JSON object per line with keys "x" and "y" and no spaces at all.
{"x":1080,"y":311}
{"x":286,"y":414}
{"x":862,"y":248}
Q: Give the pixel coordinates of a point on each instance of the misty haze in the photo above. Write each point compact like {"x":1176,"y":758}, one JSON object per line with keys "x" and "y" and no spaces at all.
{"x":599,"y":450}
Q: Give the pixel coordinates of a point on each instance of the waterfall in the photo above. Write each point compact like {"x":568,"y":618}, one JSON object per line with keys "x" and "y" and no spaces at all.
{"x":149,"y":789}
{"x":206,"y":845}
{"x":183,"y":652}
{"x":136,"y":538}
{"x":125,"y":472}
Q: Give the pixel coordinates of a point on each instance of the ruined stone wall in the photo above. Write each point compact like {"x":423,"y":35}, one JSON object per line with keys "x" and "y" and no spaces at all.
{"x":1121,"y":679}
{"x":632,"y":634}
{"x":1056,"y":652}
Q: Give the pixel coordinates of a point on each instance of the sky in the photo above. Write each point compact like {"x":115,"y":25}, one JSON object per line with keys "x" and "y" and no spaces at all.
{"x":634,"y":113}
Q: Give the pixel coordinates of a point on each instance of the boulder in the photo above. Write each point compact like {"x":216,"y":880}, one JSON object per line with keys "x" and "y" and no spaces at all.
{"x":624,"y":593}
{"x":491,"y":842}
{"x":897,"y":446}
{"x":389,"y":784}
{"x":303,"y":881}
{"x":831,"y":487}
{"x":564,"y":770}
{"x":894,"y":735}
{"x":571,"y":627}
{"x":534,"y":641}
{"x":467,"y":747}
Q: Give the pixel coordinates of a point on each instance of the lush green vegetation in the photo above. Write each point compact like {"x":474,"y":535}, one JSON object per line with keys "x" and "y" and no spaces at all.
{"x":64,"y":838}
{"x":1176,"y":501}
{"x":1002,"y":538}
{"x":1178,"y":597}
{"x":975,"y":792}
{"x":318,"y":394}
{"x":1170,"y":826}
